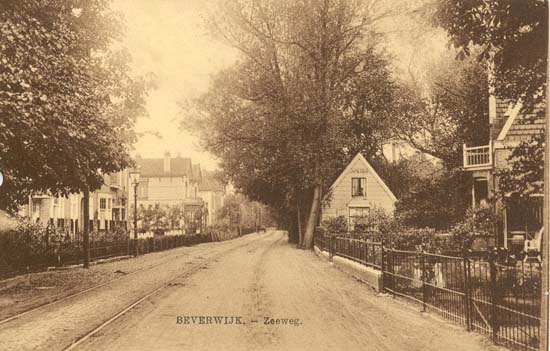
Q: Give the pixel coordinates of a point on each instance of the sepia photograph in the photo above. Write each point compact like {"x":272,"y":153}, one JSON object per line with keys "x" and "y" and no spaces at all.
{"x":302,"y":175}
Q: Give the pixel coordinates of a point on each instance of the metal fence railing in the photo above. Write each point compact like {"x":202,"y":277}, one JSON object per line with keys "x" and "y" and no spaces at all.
{"x":473,"y":289}
{"x":358,"y":250}
{"x":72,"y":252}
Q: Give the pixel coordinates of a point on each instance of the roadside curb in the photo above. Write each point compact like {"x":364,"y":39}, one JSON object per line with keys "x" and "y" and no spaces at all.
{"x":367,"y":275}
{"x":93,"y":263}
{"x":321,"y":253}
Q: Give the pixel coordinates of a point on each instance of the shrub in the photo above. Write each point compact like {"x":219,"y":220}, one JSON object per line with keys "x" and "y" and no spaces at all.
{"x":335,"y":225}
{"x":479,"y":222}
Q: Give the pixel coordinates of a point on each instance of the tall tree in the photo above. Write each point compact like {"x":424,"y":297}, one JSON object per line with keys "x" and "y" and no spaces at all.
{"x":312,"y":89}
{"x":68,"y":103}
{"x":505,"y":30}
{"x":450,"y":109}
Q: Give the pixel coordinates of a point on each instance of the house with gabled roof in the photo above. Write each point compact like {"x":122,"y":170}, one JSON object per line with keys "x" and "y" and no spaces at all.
{"x":166,"y":181}
{"x":510,"y":125}
{"x":171,"y":181}
{"x":356,"y":191}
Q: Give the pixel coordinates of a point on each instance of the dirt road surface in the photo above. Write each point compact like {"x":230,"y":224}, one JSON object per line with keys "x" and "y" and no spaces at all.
{"x":222,"y":299}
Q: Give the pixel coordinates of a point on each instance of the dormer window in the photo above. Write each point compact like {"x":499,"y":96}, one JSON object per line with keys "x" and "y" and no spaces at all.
{"x":358,"y":187}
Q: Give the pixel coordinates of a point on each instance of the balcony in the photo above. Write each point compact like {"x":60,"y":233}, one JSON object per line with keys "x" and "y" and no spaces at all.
{"x":477,"y":157}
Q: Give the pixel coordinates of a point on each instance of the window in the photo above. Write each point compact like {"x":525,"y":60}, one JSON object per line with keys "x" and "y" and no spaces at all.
{"x":358,"y":186}
{"x":102,"y":204}
{"x":109,"y":203}
{"x":355,"y":213}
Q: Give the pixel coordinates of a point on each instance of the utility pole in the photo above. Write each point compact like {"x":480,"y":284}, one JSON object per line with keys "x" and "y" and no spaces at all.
{"x":86,"y":234}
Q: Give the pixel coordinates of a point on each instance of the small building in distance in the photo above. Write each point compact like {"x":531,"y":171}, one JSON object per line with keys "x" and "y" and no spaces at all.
{"x":172,"y":181}
{"x":212,"y":191}
{"x":356,"y":191}
{"x":166,"y":181}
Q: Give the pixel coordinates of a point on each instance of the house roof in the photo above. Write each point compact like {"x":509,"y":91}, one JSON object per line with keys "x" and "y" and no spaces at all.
{"x":513,"y":123}
{"x":209,"y":182}
{"x":359,"y":157}
{"x":154,"y":167}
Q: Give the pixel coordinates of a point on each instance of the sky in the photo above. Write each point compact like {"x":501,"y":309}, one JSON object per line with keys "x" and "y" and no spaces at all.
{"x":168,"y":38}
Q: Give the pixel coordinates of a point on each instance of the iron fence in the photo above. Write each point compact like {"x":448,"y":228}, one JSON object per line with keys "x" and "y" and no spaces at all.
{"x":72,"y":252}
{"x":358,"y":250}
{"x":474,"y":290}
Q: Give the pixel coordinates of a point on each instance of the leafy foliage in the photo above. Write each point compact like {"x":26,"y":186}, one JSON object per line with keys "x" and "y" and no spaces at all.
{"x":311,"y":90}
{"x":525,"y":177}
{"x":448,"y":111}
{"x":335,"y":225}
{"x":160,"y":218}
{"x":436,"y":198}
{"x":67,"y":101}
{"x":506,"y":29}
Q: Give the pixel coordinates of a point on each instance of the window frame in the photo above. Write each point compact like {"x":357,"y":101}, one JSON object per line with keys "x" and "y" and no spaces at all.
{"x":351,"y":219}
{"x":362,"y":180}
{"x":102,"y":203}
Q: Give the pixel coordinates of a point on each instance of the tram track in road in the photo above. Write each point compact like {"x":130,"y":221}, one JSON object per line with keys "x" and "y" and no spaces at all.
{"x":188,"y":272}
{"x":81,"y":292}
{"x":164,"y":260}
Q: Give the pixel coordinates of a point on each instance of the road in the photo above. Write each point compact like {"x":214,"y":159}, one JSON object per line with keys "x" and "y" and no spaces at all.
{"x":243,"y":281}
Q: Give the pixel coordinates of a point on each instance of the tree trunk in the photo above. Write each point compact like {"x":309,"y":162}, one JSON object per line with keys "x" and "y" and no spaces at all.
{"x":299,"y":219}
{"x":308,"y":237}
{"x":86,"y":232}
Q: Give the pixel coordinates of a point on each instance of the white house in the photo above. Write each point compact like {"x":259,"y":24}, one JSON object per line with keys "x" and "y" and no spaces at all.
{"x":358,"y":189}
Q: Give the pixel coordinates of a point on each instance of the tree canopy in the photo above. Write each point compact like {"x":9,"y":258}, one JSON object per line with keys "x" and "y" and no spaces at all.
{"x":514,"y":36}
{"x":506,"y":30}
{"x":311,"y":90}
{"x":68,"y":102}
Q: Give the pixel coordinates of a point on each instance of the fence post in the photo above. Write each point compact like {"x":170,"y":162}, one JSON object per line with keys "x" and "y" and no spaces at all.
{"x":382,"y":257}
{"x":332,"y":246}
{"x":467,"y":298}
{"x":494,"y":295}
{"x":391,"y":262}
{"x":366,"y":244}
{"x":423,"y":278}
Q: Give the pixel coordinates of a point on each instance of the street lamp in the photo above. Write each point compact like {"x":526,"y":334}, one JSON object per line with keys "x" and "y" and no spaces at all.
{"x":134,"y":180}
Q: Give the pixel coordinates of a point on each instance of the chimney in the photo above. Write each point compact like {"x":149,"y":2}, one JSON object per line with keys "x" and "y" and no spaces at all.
{"x":166,"y":162}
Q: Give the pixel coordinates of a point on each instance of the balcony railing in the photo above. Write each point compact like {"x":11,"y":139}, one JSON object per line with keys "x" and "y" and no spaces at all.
{"x":477,"y":156}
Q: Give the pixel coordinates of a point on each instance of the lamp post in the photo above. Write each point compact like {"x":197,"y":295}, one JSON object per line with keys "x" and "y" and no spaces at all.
{"x":134,"y":179}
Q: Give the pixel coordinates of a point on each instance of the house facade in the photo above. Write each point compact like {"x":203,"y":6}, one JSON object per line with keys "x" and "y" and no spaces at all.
{"x":171,"y":181}
{"x":108,"y":208}
{"x":510,"y":125}
{"x":212,"y":192}
{"x":356,"y":191}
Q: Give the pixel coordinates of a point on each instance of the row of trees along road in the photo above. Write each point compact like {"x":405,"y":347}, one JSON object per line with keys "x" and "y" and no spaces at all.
{"x":68,"y":103}
{"x":312,"y":89}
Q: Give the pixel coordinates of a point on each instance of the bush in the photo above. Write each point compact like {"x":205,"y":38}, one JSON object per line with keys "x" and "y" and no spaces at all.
{"x":28,"y":244}
{"x":478,"y":223}
{"x":335,"y":225}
